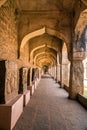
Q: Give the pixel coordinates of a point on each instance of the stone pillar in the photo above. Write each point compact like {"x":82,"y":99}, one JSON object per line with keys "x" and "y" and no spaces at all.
{"x":76,"y":84}
{"x":58,"y":72}
{"x":65,"y":74}
{"x":51,"y":70}
{"x":61,"y":83}
{"x":54,"y":72}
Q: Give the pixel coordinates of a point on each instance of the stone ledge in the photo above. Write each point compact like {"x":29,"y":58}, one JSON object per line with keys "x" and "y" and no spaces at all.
{"x":31,"y":88}
{"x":10,"y":113}
{"x":82,"y":100}
{"x":26,"y":97}
{"x":36,"y":83}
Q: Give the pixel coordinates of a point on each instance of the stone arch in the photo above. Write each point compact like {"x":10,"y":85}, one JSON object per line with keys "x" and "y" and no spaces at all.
{"x":81,"y":23}
{"x":84,"y":2}
{"x":64,"y":53}
{"x":80,"y":31}
{"x":52,"y":56}
{"x":45,"y":60}
{"x":40,"y":32}
{"x":2,"y":2}
{"x":45,"y":57}
{"x":40,"y":47}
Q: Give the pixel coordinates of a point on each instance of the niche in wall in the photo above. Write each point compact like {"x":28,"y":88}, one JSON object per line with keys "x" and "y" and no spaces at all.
{"x":20,"y":81}
{"x":33,"y":74}
{"x":2,"y":81}
{"x":28,"y":77}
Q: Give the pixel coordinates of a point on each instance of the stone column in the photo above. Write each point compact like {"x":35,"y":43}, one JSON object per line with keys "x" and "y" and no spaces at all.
{"x":51,"y":70}
{"x":61,"y":83}
{"x":54,"y":72}
{"x":76,"y":84}
{"x":65,"y":74}
{"x":58,"y":72}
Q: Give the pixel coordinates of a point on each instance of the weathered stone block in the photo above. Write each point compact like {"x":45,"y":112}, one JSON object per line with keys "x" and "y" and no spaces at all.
{"x":26,"y":97}
{"x":8,"y":81}
{"x":10,"y":113}
{"x":31,"y":88}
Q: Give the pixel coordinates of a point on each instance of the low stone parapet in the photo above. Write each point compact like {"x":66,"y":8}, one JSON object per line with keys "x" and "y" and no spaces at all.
{"x":82,"y":100}
{"x":10,"y":113}
{"x":26,"y":97}
{"x":31,"y":88}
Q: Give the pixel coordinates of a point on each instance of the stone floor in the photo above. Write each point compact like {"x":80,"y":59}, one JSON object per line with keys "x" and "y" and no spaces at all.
{"x":50,"y":109}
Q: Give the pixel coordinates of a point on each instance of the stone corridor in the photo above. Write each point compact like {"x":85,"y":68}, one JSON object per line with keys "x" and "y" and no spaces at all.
{"x":50,"y":109}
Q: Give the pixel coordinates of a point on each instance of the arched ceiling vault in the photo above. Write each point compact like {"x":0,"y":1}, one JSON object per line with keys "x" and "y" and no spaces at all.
{"x":45,"y":50}
{"x":39,"y":33}
{"x":45,"y":57}
{"x":45,"y":54}
{"x":2,"y":2}
{"x":43,"y":44}
{"x":38,"y":45}
{"x":45,"y":61}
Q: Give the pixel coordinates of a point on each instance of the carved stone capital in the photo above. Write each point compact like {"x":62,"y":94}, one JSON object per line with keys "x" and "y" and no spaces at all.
{"x":79,"y":55}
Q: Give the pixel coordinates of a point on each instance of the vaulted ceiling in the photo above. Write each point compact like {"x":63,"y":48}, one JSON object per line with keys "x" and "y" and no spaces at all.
{"x":56,"y":18}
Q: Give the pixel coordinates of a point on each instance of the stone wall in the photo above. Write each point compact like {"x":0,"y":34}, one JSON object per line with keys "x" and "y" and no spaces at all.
{"x":11,"y":80}
{"x":8,"y":81}
{"x":24,"y":54}
{"x":8,"y":31}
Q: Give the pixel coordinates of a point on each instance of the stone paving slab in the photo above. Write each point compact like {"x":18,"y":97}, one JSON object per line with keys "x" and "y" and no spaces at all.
{"x":50,"y":109}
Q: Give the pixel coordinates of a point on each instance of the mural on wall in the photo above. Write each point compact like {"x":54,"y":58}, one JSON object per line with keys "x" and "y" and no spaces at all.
{"x":80,"y":43}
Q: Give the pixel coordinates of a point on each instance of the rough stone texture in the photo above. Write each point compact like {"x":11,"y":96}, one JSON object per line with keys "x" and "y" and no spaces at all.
{"x":45,"y":18}
{"x":58,"y":72}
{"x":56,"y":22}
{"x":77,"y":79}
{"x":11,"y":81}
{"x":8,"y":31}
{"x":24,"y":55}
{"x":65,"y":66}
{"x":82,"y":100}
{"x":50,"y":109}
{"x":10,"y":113}
{"x":23,"y":80}
{"x":65,"y":74}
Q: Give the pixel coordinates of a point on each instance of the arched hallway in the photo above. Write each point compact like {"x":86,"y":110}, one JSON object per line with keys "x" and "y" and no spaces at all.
{"x":50,"y":109}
